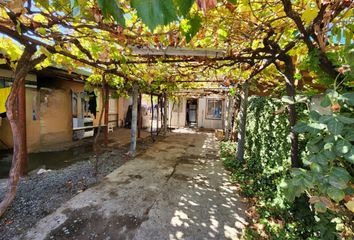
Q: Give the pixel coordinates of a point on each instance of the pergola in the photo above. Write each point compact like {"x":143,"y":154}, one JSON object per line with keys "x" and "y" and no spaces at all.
{"x":173,"y":55}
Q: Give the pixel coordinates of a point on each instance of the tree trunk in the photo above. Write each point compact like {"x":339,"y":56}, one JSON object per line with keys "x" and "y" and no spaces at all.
{"x":288,"y":75}
{"x":165,"y":115}
{"x":22,"y":126}
{"x":242,"y":123}
{"x":134,"y":122}
{"x":24,"y":65}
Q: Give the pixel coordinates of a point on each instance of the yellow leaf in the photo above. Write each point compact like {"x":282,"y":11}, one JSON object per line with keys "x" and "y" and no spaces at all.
{"x":350,"y":205}
{"x":57,"y":48}
{"x":39,"y":18}
{"x":310,"y":13}
{"x":41,"y":31}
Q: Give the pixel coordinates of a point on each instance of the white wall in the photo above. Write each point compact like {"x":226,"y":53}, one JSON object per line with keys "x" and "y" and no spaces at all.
{"x":178,"y":118}
{"x":203,"y":122}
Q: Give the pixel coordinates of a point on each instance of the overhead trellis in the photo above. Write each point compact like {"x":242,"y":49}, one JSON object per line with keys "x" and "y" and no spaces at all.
{"x":159,"y":46}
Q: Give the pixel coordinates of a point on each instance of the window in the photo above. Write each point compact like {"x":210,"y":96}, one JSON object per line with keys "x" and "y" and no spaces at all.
{"x":5,"y":82}
{"x":214,"y":108}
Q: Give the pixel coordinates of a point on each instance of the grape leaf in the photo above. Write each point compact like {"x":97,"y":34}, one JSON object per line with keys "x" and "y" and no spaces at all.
{"x":155,"y":12}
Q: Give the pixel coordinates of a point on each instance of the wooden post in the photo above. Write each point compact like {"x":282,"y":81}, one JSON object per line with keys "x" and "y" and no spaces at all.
{"x":134,"y":121}
{"x":241,"y":135}
{"x":106,"y":112}
{"x":22,"y":125}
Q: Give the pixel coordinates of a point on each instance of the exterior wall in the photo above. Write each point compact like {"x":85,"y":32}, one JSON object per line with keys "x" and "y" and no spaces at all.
{"x":49,"y":116}
{"x":204,"y":122}
{"x":55,"y":116}
{"x":179,"y":116}
{"x":5,"y":134}
{"x":96,"y":119}
{"x":113,"y":111}
{"x":32,"y":118}
{"x":177,"y":112}
{"x":121,"y":112}
{"x":31,"y":104}
{"x":123,"y":105}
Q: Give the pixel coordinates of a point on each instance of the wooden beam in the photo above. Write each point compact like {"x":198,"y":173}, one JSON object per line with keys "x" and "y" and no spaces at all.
{"x":172,"y":51}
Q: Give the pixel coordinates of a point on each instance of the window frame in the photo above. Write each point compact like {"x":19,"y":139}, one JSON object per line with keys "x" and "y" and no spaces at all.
{"x":212,"y":116}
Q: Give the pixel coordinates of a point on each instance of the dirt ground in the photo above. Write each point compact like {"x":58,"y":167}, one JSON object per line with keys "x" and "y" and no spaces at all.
{"x":177,"y":189}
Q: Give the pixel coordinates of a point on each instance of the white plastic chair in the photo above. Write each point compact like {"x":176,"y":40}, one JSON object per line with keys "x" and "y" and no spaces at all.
{"x":110,"y":127}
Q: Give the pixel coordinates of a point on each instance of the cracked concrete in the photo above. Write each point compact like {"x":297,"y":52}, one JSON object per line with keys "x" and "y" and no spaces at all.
{"x":177,"y":189}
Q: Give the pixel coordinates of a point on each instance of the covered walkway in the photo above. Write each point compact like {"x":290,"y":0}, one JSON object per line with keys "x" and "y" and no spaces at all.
{"x":177,"y":189}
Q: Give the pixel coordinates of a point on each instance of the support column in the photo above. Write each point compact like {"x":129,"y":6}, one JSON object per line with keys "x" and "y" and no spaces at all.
{"x":134,"y":121}
{"x":106,"y":112}
{"x":21,"y":106}
{"x":241,"y":135}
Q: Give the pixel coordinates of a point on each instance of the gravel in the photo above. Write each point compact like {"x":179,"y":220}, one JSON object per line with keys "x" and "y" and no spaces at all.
{"x":40,"y":195}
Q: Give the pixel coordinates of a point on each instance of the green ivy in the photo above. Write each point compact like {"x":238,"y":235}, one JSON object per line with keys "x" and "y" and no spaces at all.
{"x":267,"y":164}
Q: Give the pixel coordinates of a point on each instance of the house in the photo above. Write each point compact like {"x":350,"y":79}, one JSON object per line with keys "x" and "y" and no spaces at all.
{"x":59,"y":109}
{"x":197,"y":111}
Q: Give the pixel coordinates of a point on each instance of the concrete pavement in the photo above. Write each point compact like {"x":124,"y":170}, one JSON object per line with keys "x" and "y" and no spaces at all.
{"x":177,"y":189}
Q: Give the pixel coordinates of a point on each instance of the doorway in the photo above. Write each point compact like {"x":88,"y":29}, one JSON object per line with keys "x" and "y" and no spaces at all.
{"x":191,"y":113}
